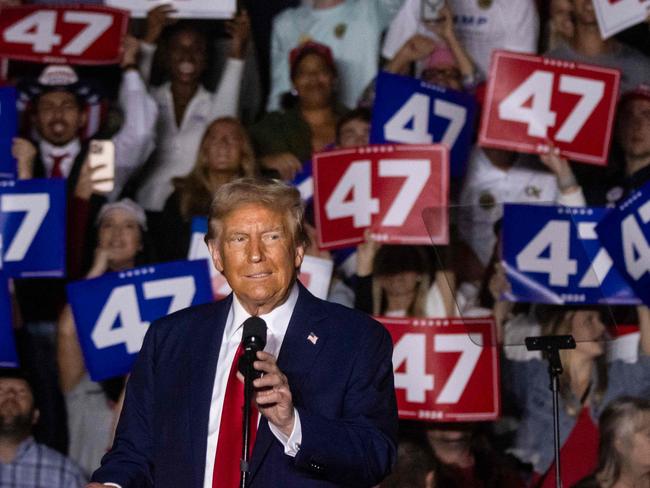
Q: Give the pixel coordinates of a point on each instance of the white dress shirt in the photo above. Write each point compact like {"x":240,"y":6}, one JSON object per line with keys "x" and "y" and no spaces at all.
{"x":177,"y":146}
{"x":277,"y":322}
{"x":50,"y":151}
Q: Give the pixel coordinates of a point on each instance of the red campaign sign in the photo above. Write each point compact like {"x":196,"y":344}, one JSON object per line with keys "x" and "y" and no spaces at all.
{"x":446,"y":370}
{"x":65,"y":34}
{"x":383,"y":187}
{"x":532,"y":101}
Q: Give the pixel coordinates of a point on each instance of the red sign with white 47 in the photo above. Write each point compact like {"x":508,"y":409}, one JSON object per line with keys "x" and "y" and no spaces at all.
{"x":75,"y":34}
{"x":532,"y":101}
{"x":446,"y":369}
{"x":382,"y":187}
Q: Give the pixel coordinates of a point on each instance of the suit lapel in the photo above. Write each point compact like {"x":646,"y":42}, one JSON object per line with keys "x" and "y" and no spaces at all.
{"x":296,"y":358}
{"x":204,"y":349}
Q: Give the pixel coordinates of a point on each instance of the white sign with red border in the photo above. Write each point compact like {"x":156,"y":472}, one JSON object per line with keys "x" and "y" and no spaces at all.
{"x":385,"y":188}
{"x":615,"y":16}
{"x":446,"y":370}
{"x":532,"y":102}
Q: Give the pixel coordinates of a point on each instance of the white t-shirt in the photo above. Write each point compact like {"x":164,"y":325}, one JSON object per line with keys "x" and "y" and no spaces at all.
{"x":486,"y":188}
{"x":501,"y":24}
{"x":352,"y":30}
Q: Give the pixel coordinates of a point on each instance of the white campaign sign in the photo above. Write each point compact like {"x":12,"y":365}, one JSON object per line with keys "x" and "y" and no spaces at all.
{"x":199,"y":9}
{"x":617,"y":15}
{"x":122,"y":307}
{"x":538,"y":89}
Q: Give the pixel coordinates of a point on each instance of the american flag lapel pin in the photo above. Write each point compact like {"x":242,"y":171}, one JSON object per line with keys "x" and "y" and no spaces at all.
{"x":313,"y":338}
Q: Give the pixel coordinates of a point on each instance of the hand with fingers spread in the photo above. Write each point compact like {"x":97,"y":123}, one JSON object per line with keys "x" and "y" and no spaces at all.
{"x":272,"y":393}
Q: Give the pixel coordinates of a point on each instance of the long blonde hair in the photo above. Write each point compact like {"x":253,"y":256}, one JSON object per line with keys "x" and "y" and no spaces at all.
{"x":195,"y":190}
{"x":557,"y":320}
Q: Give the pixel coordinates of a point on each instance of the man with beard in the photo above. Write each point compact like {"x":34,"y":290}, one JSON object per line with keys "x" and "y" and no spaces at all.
{"x":23,"y":461}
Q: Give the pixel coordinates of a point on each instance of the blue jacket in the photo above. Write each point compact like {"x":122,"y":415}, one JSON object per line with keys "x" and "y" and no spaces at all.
{"x":342,"y":387}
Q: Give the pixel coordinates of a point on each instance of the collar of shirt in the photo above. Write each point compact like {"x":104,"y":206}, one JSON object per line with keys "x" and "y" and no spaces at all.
{"x":48,"y":151}
{"x":277,"y":321}
{"x":23,"y":448}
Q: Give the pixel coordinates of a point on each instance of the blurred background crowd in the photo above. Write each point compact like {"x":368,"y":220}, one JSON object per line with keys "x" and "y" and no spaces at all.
{"x":196,"y":103}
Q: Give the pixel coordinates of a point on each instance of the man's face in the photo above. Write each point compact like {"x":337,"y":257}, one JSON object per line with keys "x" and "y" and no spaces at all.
{"x":58,"y":117}
{"x":17,"y":414}
{"x":187,"y":56}
{"x":354,"y":133}
{"x":255,"y":251}
{"x":634,"y":129}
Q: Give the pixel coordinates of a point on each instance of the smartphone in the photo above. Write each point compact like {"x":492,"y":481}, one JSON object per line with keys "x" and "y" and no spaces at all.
{"x":430,"y":10}
{"x":101,"y":155}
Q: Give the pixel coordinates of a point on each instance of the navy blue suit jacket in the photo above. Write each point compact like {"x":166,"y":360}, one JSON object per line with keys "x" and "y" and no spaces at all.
{"x":342,"y":387}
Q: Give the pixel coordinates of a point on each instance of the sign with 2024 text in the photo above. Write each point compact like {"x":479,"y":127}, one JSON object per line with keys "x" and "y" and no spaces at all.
{"x":410,"y":111}
{"x":625,"y":233}
{"x":532,"y":101}
{"x":32,"y":228}
{"x":382,"y":187}
{"x":198,"y":9}
{"x":553,"y":255}
{"x":446,"y":370}
{"x":74,"y":34}
{"x":8,"y":129}
{"x":615,"y":16}
{"x":315,"y":273}
{"x":113,"y":312}
{"x":8,"y":356}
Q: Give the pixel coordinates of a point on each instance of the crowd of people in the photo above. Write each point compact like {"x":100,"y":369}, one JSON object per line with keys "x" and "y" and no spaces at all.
{"x":187,"y":117}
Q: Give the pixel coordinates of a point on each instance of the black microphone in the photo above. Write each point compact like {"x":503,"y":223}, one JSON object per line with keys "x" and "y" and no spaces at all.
{"x":253,"y":340}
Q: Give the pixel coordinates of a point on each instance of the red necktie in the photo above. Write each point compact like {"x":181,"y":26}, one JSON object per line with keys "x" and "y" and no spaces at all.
{"x":57,"y":172}
{"x":227,"y":471}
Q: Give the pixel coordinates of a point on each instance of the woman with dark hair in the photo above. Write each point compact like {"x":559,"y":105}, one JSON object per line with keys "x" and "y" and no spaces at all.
{"x":624,"y":452}
{"x":225,"y":153}
{"x":92,"y":407}
{"x":285,"y":140}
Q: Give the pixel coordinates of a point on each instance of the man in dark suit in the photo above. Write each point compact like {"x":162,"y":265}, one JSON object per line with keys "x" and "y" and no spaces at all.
{"x":327,"y":410}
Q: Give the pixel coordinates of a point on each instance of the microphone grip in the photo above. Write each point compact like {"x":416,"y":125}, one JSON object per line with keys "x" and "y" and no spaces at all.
{"x":248,"y":357}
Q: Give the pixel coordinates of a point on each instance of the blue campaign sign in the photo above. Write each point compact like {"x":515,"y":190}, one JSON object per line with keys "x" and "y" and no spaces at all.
{"x":625,"y":233}
{"x":8,"y":356}
{"x":410,"y":111}
{"x":553,"y":255}
{"x":304,"y":182}
{"x":8,"y":130}
{"x":32,"y":228}
{"x":113,"y":312}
